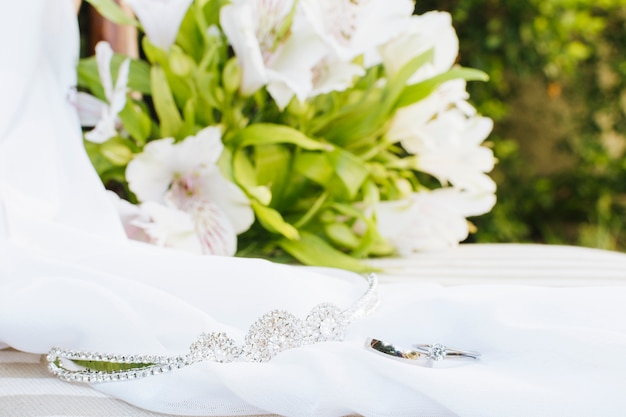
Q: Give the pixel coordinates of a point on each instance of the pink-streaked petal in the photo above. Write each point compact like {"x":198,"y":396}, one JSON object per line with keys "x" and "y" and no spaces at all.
{"x":352,"y":28}
{"x":333,"y":74}
{"x":89,"y":108}
{"x":229,"y":197}
{"x":132,"y":216}
{"x":214,"y":230}
{"x":170,"y":227}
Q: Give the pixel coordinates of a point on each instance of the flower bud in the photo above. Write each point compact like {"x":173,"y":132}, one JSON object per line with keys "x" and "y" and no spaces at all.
{"x":116,"y":152}
{"x":231,"y":76}
{"x":180,"y":63}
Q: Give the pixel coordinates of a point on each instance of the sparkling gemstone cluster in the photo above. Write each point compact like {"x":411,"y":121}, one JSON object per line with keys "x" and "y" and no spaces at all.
{"x":437,"y":352}
{"x":272,"y":333}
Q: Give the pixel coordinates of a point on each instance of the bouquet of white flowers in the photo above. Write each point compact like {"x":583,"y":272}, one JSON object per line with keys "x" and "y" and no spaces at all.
{"x":327,"y":130}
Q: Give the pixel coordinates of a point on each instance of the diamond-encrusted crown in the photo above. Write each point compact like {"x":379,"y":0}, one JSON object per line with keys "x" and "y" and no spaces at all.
{"x":272,"y":333}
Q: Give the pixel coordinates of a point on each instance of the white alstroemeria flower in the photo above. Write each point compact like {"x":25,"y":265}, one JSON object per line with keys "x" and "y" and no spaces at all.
{"x":356,"y":27}
{"x":185,"y":176}
{"x":132,"y":218}
{"x":449,"y":148}
{"x":282,"y":64}
{"x":170,"y":228}
{"x":409,"y":121}
{"x":333,"y":74}
{"x":95,"y":112}
{"x":432,"y":30}
{"x":160,"y":19}
{"x":430,"y":220}
{"x":201,"y":230}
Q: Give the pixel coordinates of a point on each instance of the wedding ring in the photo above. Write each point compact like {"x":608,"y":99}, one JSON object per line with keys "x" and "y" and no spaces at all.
{"x":437,"y":352}
{"x":428,"y":353}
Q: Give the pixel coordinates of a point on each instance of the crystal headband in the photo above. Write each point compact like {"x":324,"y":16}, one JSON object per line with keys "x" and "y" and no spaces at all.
{"x":272,"y":333}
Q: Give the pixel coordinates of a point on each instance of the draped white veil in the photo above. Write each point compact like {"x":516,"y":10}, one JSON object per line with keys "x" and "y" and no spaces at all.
{"x":69,"y":277}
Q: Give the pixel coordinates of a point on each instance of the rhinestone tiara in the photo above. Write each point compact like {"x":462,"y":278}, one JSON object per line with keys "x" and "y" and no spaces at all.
{"x":272,"y":333}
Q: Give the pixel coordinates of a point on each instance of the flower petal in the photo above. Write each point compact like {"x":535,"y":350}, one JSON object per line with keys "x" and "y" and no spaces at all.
{"x":238,"y":25}
{"x":89,"y":108}
{"x":203,"y":149}
{"x":150,"y":173}
{"x":160,"y":19}
{"x":352,"y":28}
{"x":118,"y":96}
{"x":131,"y":216}
{"x":430,"y":30}
{"x":334,"y":74}
{"x":214,"y":230}
{"x":226,"y":195}
{"x":430,"y":220}
{"x":104,"y":129}
{"x":449,"y":148}
{"x":170,"y":227}
{"x":104,"y":56}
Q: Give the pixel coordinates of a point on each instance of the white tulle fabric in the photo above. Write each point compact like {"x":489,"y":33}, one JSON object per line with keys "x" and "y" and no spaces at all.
{"x":69,"y":277}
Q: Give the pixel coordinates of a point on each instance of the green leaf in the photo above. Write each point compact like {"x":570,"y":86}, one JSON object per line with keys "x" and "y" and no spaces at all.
{"x":154,"y":54}
{"x":398,"y":83}
{"x":312,"y":212}
{"x":206,"y":84}
{"x":136,"y":122}
{"x":116,"y":151}
{"x":231,"y":76}
{"x":370,"y":242}
{"x":243,"y":170}
{"x":180,"y":63}
{"x":273,"y":168}
{"x":189,"y":127}
{"x":354,"y":121}
{"x":272,"y":220}
{"x":351,"y":170}
{"x":342,"y":235}
{"x":138,"y":77}
{"x":363,"y":119}
{"x":99,"y":162}
{"x":169,"y":116}
{"x":113,"y":12}
{"x":312,"y":250}
{"x":244,"y":174}
{"x":190,"y":36}
{"x":269,"y":134}
{"x":423,"y":89}
{"x":314,"y":166}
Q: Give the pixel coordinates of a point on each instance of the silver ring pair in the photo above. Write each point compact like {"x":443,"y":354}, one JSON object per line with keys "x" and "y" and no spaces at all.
{"x":421,"y":352}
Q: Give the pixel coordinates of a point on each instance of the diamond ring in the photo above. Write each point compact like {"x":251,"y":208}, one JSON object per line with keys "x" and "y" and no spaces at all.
{"x":437,"y":352}
{"x":421,"y":352}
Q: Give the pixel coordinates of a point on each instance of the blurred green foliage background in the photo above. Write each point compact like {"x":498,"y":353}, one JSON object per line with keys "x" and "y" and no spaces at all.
{"x":558,"y":97}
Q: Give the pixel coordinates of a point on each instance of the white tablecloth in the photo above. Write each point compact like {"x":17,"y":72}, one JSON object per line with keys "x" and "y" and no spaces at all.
{"x":28,"y":390}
